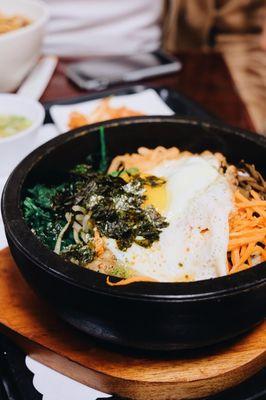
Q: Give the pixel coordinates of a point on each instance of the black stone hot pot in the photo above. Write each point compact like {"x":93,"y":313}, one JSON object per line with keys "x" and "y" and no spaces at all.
{"x":154,"y":316}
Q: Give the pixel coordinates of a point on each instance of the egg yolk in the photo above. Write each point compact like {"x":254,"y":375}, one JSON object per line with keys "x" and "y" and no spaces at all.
{"x":157,"y":197}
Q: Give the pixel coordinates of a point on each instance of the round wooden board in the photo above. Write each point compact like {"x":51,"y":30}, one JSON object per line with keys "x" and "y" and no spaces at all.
{"x":187,"y":375}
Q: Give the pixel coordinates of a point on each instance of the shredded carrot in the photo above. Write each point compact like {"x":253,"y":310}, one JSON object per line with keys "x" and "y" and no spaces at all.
{"x":255,"y":195}
{"x":127,"y":281}
{"x":247,"y":239}
{"x":252,"y":203}
{"x":235,"y":256}
{"x":241,"y":241}
{"x":242,"y":267}
{"x":247,"y":232}
{"x":239,"y":196}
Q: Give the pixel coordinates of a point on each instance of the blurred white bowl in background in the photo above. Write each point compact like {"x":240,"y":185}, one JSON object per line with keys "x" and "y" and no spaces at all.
{"x":14,"y":148}
{"x":21,"y":48}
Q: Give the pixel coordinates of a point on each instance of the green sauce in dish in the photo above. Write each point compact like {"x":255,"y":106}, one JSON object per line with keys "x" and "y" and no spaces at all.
{"x":12,"y":124}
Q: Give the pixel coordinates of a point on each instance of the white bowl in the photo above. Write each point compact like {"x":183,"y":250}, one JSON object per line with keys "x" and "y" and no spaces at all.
{"x":21,"y":48}
{"x":14,"y":148}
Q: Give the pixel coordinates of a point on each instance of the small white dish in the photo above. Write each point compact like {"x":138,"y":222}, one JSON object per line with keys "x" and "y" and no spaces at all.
{"x":21,"y":48}
{"x":147,"y":102}
{"x":14,"y":148}
{"x":45,"y":133}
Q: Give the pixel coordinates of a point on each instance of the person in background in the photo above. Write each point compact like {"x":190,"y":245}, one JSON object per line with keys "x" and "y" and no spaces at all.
{"x":263,"y":36}
{"x":82,"y":28}
{"x":205,"y":23}
{"x":237,"y":29}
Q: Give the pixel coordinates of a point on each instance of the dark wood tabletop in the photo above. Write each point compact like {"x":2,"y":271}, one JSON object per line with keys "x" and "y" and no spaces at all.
{"x":204,"y":78}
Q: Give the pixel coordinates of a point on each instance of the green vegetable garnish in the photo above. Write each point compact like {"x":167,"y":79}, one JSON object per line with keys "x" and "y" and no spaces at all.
{"x":103,"y":162}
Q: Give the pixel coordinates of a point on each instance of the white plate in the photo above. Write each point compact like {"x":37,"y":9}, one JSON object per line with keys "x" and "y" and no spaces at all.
{"x":147,"y":102}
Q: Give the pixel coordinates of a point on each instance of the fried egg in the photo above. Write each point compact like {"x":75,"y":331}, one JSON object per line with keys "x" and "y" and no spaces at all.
{"x":196,"y":200}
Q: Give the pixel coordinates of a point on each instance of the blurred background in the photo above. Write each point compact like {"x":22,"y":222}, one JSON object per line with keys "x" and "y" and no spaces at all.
{"x":93,"y":28}
{"x":89,"y":28}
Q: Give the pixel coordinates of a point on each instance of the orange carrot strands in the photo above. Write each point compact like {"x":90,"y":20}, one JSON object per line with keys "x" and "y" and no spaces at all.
{"x":235,"y":256}
{"x":255,"y":195}
{"x":239,"y":196}
{"x":247,"y":237}
{"x":247,"y":232}
{"x":260,"y":212}
{"x":246,"y":254}
{"x":240,"y":242}
{"x":242,"y":251}
{"x":238,"y":269}
{"x":252,"y":203}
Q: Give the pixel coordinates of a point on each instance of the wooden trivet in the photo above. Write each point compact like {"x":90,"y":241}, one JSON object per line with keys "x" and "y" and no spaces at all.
{"x":56,"y":344}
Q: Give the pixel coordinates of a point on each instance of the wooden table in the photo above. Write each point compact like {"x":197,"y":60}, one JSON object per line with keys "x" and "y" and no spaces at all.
{"x":203,"y":78}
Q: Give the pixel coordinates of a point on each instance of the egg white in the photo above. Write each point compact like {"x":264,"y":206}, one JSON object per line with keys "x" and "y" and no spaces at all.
{"x":194,"y":245}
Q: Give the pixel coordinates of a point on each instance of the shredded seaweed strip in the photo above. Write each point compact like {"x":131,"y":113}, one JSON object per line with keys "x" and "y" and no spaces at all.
{"x":74,"y":218}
